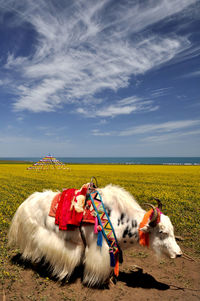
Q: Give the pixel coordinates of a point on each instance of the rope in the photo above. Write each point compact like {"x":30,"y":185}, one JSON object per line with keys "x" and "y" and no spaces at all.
{"x":185,"y":256}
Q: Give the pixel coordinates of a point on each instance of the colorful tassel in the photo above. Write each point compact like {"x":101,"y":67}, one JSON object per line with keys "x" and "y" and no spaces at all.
{"x":95,"y":225}
{"x":99,"y":239}
{"x":112,"y":258}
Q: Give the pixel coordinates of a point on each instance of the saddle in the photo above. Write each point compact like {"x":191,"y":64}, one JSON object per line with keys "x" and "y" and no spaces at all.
{"x":71,"y":208}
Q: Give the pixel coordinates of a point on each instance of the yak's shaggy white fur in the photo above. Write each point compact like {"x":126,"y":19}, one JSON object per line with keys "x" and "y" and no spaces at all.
{"x":37,"y":236}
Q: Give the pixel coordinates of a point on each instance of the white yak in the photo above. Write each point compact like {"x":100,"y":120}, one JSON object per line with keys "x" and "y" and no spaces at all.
{"x":37,"y":236}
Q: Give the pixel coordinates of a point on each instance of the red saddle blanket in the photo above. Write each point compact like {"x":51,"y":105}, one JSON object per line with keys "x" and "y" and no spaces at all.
{"x":70,"y":208}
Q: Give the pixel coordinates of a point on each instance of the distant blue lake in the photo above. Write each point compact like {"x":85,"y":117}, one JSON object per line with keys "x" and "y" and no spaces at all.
{"x":119,"y":160}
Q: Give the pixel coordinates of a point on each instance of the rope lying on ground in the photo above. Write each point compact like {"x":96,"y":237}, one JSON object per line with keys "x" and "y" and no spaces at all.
{"x":185,"y":256}
{"x":183,"y":288}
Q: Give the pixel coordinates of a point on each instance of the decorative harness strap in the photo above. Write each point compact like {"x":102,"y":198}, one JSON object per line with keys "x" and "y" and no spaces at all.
{"x":104,"y":226}
{"x":144,"y":236}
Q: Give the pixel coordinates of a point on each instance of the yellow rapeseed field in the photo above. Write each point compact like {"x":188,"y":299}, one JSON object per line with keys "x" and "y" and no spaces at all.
{"x":177,"y":186}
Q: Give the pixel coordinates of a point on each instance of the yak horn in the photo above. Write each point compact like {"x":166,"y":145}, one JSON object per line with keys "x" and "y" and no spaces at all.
{"x":92,"y":182}
{"x":155,"y":212}
{"x":159,"y":203}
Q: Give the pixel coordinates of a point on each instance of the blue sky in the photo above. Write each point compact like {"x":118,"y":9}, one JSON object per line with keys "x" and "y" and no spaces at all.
{"x":99,"y":78}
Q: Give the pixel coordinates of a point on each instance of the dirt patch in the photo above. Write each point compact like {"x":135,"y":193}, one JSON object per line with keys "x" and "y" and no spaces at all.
{"x":153,"y":279}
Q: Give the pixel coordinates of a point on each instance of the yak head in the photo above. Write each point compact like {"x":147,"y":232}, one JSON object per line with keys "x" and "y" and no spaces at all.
{"x":160,"y":232}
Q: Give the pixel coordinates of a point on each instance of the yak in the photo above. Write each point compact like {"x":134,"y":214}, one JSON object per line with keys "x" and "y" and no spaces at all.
{"x":37,"y":236}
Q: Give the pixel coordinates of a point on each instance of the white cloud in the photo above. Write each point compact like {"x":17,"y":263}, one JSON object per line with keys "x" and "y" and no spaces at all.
{"x":192,"y":74}
{"x":124,"y":106}
{"x":20,"y":118}
{"x":14,"y":61}
{"x":42,"y":97}
{"x":171,"y":136}
{"x":160,"y":128}
{"x":103,"y":121}
{"x":129,"y":100}
{"x":96,"y":132}
{"x":112,"y":111}
{"x":157,"y":132}
{"x":86,"y":47}
{"x":160,"y":92}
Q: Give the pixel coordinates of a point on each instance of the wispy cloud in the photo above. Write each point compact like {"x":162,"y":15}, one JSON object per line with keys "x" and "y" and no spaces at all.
{"x":124,"y":106}
{"x":160,"y":92}
{"x":85,"y":47}
{"x":171,"y":136}
{"x":192,"y":74}
{"x":157,"y":131}
{"x":96,"y":132}
{"x":160,"y":128}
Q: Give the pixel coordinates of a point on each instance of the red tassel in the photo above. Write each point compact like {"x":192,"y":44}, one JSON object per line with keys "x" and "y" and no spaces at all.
{"x":95,"y":225}
{"x":116,"y":269}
